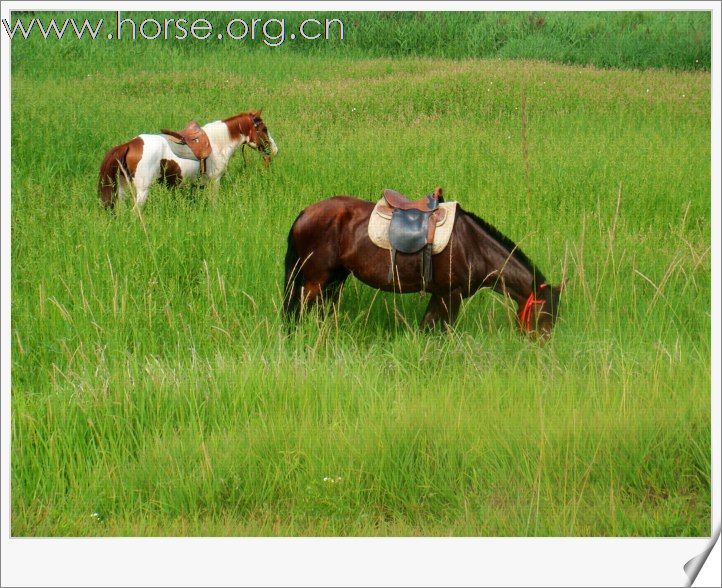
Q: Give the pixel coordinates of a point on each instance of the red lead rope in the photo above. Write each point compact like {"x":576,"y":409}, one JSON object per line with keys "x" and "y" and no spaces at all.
{"x":525,"y":314}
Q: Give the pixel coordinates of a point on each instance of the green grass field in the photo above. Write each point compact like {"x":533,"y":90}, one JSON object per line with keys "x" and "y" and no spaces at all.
{"x":156,"y":392}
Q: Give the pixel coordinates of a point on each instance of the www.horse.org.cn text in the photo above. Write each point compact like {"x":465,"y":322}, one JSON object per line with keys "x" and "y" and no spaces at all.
{"x":270,"y":31}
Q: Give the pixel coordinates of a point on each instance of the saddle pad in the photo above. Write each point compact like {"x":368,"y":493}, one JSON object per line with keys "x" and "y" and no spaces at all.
{"x":180,"y":149}
{"x":381,"y":219}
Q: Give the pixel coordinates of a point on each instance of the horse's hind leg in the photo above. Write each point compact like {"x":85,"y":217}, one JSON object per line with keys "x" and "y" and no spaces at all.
{"x":310,"y":293}
{"x":324,"y":289}
{"x":442,"y":310}
{"x":332,"y":289}
{"x":141,"y":193}
{"x":317,"y":291}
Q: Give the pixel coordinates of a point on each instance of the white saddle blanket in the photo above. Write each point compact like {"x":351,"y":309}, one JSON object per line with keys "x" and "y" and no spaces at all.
{"x":380,"y":221}
{"x":180,"y":149}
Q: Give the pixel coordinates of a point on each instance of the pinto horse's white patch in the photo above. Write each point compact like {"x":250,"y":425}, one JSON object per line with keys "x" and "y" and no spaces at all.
{"x":379,"y":226}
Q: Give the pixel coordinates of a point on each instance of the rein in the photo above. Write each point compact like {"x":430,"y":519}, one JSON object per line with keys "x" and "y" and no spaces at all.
{"x":525,"y":314}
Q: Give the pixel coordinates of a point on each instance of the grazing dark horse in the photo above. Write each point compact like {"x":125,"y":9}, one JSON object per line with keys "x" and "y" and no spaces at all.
{"x":329,"y":240}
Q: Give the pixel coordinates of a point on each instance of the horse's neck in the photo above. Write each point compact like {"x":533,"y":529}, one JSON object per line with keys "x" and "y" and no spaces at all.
{"x":505,"y":273}
{"x":222,"y":144}
{"x":516,"y":279}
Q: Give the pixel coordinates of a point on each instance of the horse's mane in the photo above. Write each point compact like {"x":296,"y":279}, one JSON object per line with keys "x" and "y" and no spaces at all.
{"x":251,"y":113}
{"x":509,"y":245}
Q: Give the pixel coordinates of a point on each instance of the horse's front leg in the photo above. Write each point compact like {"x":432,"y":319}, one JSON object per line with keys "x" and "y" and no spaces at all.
{"x":211,"y":187}
{"x":213,"y":184}
{"x":442,"y":310}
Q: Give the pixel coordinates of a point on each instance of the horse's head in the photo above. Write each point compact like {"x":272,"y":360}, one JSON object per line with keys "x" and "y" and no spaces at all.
{"x":540,"y":311}
{"x":260,"y":138}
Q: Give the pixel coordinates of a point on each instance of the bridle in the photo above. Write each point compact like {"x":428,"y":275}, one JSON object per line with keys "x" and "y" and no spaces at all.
{"x":262,"y":145}
{"x":526,"y":312}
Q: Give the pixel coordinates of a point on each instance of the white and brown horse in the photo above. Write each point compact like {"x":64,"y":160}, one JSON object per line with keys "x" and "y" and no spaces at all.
{"x":146,"y":159}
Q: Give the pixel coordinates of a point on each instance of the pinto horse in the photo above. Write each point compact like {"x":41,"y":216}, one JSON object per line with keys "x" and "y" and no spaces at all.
{"x":149,"y":158}
{"x":329,"y":240}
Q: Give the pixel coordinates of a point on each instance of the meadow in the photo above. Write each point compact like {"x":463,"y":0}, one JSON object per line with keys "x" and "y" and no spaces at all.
{"x":155,"y":390}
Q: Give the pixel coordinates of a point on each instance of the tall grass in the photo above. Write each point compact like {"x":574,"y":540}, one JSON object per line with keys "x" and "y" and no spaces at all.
{"x":155,"y":390}
{"x":638,"y":40}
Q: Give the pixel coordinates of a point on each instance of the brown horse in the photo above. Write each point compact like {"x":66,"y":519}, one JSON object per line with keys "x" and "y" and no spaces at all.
{"x":329,"y":240}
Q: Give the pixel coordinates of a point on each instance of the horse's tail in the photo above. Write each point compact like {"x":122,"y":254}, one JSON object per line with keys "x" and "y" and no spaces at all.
{"x":113,"y":163}
{"x":293,"y":281}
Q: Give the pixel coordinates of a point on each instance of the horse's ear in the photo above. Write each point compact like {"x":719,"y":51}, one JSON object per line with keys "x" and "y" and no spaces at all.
{"x":438,"y":192}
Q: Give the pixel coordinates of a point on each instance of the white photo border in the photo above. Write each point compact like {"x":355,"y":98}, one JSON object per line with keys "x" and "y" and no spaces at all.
{"x":348,"y":561}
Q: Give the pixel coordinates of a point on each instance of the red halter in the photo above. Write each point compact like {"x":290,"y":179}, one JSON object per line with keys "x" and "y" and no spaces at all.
{"x":525,"y":314}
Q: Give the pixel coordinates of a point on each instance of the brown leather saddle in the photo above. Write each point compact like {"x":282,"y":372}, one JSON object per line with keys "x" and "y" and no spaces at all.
{"x":412,"y":227}
{"x":195,"y":138}
{"x":397,"y":200}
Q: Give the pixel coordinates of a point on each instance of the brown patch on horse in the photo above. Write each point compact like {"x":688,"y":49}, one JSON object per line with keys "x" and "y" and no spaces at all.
{"x":135,"y":152}
{"x":241,"y":124}
{"x":121,"y":160}
{"x":170,"y":173}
